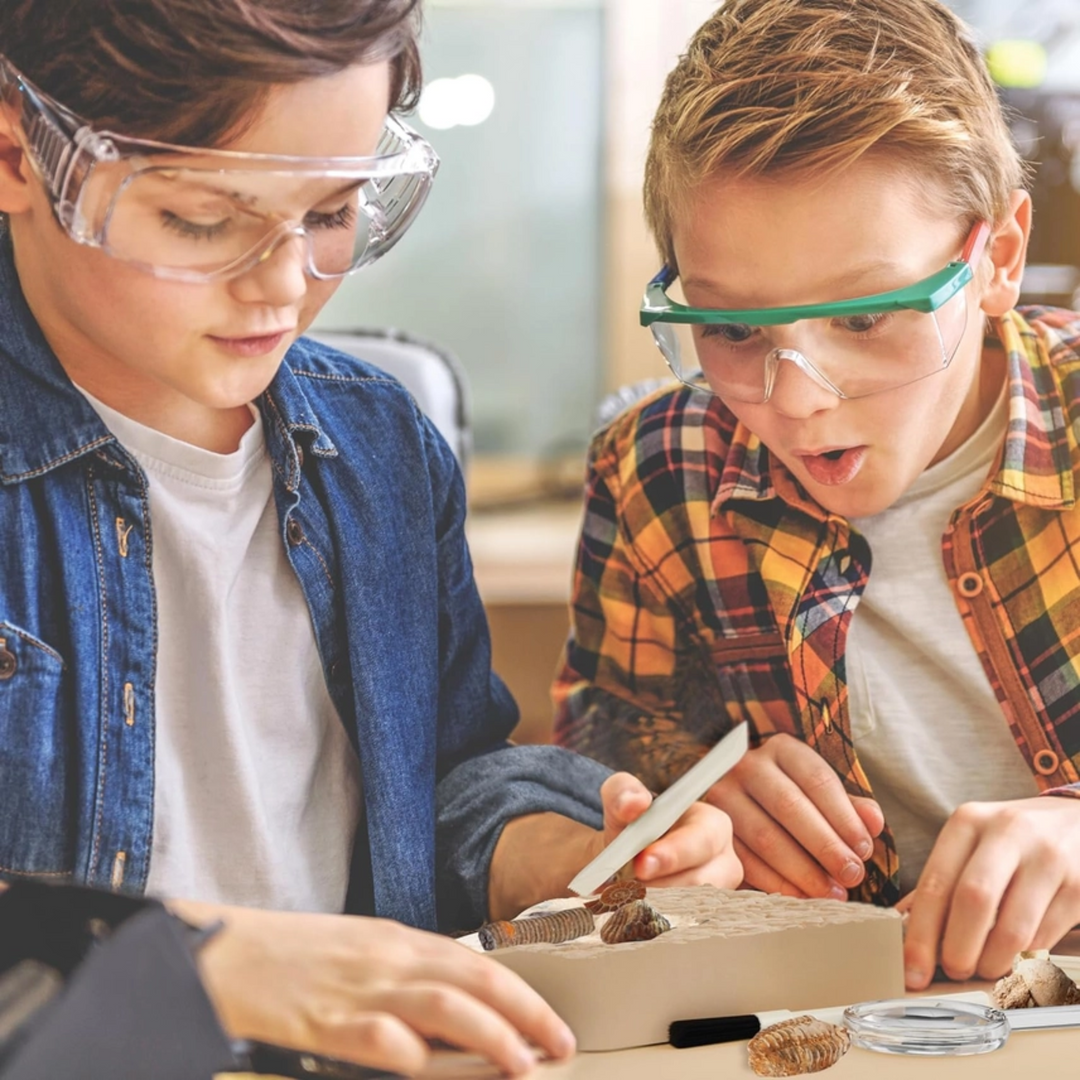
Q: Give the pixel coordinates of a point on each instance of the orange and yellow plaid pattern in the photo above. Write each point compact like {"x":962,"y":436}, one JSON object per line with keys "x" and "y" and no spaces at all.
{"x":711,"y":590}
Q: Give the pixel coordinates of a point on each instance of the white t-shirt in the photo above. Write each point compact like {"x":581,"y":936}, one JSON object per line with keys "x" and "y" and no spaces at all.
{"x":927,"y":728}
{"x":257,"y":787}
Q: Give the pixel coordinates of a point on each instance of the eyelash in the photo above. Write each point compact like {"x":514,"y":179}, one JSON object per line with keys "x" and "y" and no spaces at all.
{"x":715,"y":330}
{"x":190,"y":229}
{"x":339,"y":219}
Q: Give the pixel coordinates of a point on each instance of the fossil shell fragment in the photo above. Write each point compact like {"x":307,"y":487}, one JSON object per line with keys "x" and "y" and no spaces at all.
{"x":636,"y":921}
{"x":616,"y":895}
{"x":1034,"y":982}
{"x":800,"y":1045}
{"x":550,"y":927}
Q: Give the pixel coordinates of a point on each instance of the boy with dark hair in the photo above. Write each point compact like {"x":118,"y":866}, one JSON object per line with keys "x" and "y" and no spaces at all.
{"x":242,"y":657}
{"x":856,"y":528}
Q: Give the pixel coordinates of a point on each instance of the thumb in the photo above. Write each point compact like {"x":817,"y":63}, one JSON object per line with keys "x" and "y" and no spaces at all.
{"x":625,"y":798}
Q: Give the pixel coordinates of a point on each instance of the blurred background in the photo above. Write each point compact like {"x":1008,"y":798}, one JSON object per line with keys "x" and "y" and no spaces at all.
{"x":529,"y":260}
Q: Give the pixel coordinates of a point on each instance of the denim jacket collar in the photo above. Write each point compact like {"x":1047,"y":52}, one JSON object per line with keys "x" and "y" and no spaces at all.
{"x":45,"y":422}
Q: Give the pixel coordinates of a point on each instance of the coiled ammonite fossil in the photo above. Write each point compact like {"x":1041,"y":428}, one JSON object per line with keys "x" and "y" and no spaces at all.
{"x":551,"y":927}
{"x":802,"y":1044}
{"x":616,"y":895}
{"x":635,"y":921}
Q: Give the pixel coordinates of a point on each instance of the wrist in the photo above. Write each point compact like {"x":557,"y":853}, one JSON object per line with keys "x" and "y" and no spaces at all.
{"x":535,"y":859}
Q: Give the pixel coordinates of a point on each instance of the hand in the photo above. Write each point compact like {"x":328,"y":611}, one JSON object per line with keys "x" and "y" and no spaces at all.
{"x":1002,"y":877}
{"x":368,"y":990}
{"x":696,"y":850}
{"x":797,"y":831}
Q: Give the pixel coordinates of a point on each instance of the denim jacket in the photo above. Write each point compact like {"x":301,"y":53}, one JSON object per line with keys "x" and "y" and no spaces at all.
{"x":371,"y":507}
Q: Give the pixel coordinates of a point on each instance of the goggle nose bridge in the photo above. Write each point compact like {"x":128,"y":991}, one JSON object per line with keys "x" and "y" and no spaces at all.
{"x":793,"y":356}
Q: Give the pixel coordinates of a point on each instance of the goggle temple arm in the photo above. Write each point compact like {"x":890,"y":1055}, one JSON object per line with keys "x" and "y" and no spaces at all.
{"x":976,"y":243}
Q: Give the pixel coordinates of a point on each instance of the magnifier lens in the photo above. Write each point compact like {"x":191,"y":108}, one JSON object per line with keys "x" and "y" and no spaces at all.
{"x":926,"y":1026}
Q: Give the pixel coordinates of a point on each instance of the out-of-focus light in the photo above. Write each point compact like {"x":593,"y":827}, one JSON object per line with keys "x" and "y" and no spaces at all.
{"x":1017,"y":63}
{"x":467,"y":101}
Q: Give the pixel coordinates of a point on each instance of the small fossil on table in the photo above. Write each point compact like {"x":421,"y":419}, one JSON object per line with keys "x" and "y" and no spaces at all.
{"x":800,"y":1045}
{"x":1034,"y":982}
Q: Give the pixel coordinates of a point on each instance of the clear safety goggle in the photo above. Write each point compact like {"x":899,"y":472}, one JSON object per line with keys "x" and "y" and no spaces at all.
{"x":853,"y":348}
{"x":190,"y":214}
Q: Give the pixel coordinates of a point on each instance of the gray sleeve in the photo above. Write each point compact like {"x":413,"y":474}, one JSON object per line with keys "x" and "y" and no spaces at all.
{"x":477,"y":798}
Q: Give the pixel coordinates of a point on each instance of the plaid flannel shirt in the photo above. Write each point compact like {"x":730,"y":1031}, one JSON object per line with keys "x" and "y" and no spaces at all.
{"x":710,"y":590}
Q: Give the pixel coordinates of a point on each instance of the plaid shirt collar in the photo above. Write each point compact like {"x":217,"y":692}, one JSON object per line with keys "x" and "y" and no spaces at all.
{"x":1034,"y":467}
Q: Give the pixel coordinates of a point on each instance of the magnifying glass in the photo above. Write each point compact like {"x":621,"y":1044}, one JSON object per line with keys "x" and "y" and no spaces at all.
{"x":926,"y":1026}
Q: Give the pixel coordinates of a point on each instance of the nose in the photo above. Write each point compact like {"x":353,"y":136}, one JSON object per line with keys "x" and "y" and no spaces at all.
{"x":798,"y":389}
{"x":279,"y":277}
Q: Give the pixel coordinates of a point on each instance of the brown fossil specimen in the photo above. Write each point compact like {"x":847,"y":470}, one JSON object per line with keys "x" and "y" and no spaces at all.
{"x":550,"y":927}
{"x":616,"y":895}
{"x":635,"y":921}
{"x":1034,"y":981}
{"x":799,"y":1045}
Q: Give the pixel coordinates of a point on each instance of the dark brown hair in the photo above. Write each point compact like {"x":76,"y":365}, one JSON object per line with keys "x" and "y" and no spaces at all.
{"x":194,"y":71}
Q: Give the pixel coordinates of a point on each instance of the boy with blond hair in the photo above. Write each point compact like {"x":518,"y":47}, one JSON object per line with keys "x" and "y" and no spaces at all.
{"x":856,"y":529}
{"x":243,"y":662}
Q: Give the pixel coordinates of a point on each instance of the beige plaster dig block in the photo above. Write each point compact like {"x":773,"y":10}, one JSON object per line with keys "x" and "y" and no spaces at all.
{"x":728,"y":952}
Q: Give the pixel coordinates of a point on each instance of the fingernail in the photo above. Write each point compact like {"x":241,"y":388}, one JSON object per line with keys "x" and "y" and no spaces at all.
{"x":851,"y":873}
{"x":914,"y":978}
{"x":649,"y":866}
{"x":524,"y":1060}
{"x":565,"y":1044}
{"x":865,"y":849}
{"x":837,"y":892}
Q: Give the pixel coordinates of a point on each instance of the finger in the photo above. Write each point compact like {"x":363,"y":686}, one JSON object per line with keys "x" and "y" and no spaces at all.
{"x":786,"y":802}
{"x":930,"y":908}
{"x":903,"y":905}
{"x":1061,"y":916}
{"x":776,"y":848}
{"x":1020,"y":914}
{"x":724,"y":872}
{"x":819,"y":781}
{"x":508,"y":994}
{"x":700,"y":836}
{"x":870,"y":813}
{"x":438,"y":1010}
{"x":759,"y":875}
{"x":376,"y":1039}
{"x":624,"y":799}
{"x":977,"y":897}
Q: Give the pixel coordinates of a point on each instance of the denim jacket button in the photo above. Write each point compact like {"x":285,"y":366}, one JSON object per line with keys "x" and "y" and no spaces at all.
{"x":294,"y":532}
{"x":8,"y":663}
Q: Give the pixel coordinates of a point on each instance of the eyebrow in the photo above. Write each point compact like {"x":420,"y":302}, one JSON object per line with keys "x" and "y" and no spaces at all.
{"x":840,"y":281}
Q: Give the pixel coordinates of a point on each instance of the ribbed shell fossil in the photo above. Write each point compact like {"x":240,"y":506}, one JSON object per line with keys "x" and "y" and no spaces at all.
{"x":799,"y":1045}
{"x":550,"y":927}
{"x":1035,"y":981}
{"x":616,"y":895}
{"x":636,"y":921}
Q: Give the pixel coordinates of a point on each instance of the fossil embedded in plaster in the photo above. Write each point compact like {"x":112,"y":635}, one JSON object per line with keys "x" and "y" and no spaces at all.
{"x":551,"y":928}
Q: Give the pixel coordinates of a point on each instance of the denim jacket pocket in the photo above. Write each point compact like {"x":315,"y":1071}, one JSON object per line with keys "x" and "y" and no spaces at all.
{"x":35,"y":803}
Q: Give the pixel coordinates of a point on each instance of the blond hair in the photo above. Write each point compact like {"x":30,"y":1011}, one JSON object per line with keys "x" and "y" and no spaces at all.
{"x":769,"y":87}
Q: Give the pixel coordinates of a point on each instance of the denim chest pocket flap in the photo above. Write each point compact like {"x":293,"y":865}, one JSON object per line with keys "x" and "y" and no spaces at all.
{"x":35,"y":834}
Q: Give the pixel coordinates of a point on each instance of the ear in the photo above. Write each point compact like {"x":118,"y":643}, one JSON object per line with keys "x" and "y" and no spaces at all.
{"x":14,"y":174}
{"x":1008,"y":251}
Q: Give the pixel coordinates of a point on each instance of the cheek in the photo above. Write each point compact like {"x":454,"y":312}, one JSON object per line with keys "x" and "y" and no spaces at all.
{"x":315,"y":299}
